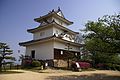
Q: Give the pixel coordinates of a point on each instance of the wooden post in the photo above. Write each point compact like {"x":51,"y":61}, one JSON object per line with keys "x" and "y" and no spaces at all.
{"x":68,"y":49}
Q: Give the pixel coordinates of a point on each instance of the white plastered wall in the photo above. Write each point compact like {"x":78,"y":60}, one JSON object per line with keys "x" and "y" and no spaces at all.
{"x":61,"y":31}
{"x":60,"y":22}
{"x":43,"y":50}
{"x":47,"y":32}
{"x":57,"y":30}
{"x":60,"y":45}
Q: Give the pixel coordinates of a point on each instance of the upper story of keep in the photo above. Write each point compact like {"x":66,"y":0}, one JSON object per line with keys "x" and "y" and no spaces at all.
{"x":53,"y":23}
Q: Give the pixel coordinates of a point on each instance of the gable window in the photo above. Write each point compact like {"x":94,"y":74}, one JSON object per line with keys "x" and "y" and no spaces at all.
{"x":42,"y":33}
{"x":33,"y":53}
{"x":56,"y":31}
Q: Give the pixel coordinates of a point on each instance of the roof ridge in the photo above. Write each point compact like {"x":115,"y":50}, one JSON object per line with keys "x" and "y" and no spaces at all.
{"x":52,"y":13}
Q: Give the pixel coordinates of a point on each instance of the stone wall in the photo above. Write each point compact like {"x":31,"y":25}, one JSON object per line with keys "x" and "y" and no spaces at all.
{"x":62,"y":63}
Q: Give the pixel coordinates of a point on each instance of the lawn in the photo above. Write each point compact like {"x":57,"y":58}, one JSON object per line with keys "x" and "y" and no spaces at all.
{"x":53,"y":74}
{"x":10,"y":72}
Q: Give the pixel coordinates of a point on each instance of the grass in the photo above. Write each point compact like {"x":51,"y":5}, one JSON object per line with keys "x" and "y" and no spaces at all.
{"x":85,"y":77}
{"x":10,"y":72}
{"x":89,"y":69}
{"x":34,"y":69}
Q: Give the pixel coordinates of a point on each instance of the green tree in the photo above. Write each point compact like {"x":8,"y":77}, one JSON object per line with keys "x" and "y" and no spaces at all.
{"x":102,"y":38}
{"x":5,"y":54}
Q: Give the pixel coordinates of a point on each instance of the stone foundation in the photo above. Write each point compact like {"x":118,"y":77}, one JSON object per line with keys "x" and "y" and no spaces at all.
{"x":62,"y":63}
{"x":53,"y":63}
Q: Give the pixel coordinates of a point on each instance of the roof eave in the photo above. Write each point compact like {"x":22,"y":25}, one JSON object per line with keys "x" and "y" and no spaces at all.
{"x":33,"y":30}
{"x":29,"y":30}
{"x":39,"y":27}
{"x":41,"y":18}
{"x":52,"y":14}
{"x":36,"y":41}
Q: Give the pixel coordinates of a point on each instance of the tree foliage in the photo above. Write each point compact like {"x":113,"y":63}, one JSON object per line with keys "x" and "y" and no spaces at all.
{"x":5,"y":54}
{"x":102,"y":37}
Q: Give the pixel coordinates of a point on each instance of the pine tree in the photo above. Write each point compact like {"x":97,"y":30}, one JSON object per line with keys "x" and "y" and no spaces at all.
{"x":5,"y":54}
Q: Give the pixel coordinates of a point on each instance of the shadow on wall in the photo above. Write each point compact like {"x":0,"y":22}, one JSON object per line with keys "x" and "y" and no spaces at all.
{"x":85,"y":77}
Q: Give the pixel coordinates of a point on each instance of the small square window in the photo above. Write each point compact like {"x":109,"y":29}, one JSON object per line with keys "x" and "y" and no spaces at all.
{"x":42,"y":33}
{"x":56,"y":31}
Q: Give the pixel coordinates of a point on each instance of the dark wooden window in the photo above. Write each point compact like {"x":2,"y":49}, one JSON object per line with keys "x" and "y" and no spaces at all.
{"x":65,"y":54}
{"x":33,"y":53}
{"x":56,"y":54}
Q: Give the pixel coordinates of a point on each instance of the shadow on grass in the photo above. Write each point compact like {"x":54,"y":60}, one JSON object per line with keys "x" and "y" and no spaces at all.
{"x":10,"y":72}
{"x":45,"y":72}
{"x":85,"y":77}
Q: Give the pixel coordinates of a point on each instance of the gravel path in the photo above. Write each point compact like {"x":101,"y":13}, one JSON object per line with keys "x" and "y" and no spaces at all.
{"x":50,"y":74}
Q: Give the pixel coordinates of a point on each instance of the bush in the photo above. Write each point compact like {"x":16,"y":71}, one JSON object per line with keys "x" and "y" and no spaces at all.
{"x":77,"y":66}
{"x":27,"y":63}
{"x":84,"y":65}
{"x":108,"y":66}
{"x":111,"y":66}
{"x":36,"y":64}
{"x":118,"y":67}
{"x":114,"y":67}
{"x":100,"y":65}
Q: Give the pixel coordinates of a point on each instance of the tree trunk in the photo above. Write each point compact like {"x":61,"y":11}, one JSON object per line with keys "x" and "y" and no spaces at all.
{"x":0,"y":65}
{"x":10,"y":66}
{"x":4,"y":67}
{"x":68,"y":64}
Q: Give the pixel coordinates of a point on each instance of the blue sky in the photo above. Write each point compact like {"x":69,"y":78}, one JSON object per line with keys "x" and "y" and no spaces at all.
{"x":16,"y":16}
